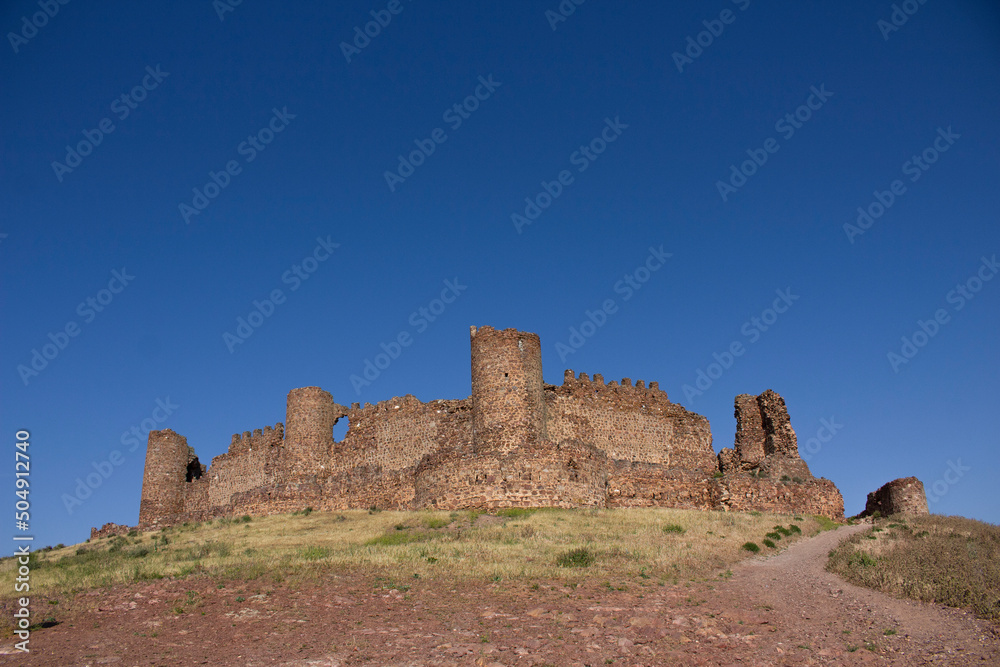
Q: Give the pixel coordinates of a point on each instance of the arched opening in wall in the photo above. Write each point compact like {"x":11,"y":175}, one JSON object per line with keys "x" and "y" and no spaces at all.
{"x":340,"y":429}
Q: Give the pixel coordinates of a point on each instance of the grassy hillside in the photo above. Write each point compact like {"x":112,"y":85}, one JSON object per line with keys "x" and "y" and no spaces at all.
{"x":665,"y":545}
{"x":945,"y":559}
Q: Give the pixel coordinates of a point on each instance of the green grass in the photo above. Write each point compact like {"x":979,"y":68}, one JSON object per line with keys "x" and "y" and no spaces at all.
{"x":825,"y":523}
{"x":581,"y":557}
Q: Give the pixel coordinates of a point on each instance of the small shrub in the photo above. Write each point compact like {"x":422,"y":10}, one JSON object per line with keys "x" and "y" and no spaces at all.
{"x":674,"y":528}
{"x":784,"y":531}
{"x":792,"y":528}
{"x":516,"y":512}
{"x":786,"y":478}
{"x":246,"y":518}
{"x":862,"y":559}
{"x":825,"y":523}
{"x":773,"y":535}
{"x":752,"y":547}
{"x":769,"y":544}
{"x":315,"y":553}
{"x":797,"y":480}
{"x":717,"y":474}
{"x":581,"y":557}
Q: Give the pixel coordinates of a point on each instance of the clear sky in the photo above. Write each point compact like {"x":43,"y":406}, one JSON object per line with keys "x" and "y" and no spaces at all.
{"x":689,"y":174}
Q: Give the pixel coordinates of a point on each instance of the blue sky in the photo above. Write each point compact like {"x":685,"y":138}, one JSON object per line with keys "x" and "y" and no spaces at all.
{"x":742,"y":157}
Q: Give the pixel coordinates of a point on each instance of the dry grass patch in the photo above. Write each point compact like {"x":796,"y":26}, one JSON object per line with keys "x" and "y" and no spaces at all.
{"x":514,"y":544}
{"x":943,"y":559}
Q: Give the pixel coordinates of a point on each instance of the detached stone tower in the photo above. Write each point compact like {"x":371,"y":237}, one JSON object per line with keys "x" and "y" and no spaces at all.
{"x":508,"y":404}
{"x":170,"y":465}
{"x":900,"y":496}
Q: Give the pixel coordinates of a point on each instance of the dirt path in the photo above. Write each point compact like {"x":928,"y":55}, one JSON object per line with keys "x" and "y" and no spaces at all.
{"x":785,"y":610}
{"x":807,"y":606}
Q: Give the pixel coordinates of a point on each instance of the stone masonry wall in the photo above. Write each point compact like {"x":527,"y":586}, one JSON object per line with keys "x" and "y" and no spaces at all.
{"x":572,"y":474}
{"x":900,"y":496}
{"x":629,"y":423}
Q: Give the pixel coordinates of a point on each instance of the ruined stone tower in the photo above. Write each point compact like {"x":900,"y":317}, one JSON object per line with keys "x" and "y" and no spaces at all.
{"x":508,"y":404}
{"x":170,"y":464}
{"x":309,"y":416}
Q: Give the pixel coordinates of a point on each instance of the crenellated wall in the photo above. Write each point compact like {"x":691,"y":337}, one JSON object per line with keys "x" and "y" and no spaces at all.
{"x":629,"y":423}
{"x":515,"y":442}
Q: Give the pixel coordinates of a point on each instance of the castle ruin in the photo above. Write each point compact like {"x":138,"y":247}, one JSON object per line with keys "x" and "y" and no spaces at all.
{"x":515,"y":442}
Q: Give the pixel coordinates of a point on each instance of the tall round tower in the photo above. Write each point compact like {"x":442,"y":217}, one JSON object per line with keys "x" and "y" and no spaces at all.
{"x":508,"y":406}
{"x":164,"y":477}
{"x":309,"y":420}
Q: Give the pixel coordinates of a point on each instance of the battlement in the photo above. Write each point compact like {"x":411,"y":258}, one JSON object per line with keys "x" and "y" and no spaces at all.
{"x":258,"y":439}
{"x":582,"y":386}
{"x":515,"y":441}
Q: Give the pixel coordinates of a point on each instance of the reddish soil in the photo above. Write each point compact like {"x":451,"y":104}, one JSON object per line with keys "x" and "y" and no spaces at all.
{"x":785,"y":610}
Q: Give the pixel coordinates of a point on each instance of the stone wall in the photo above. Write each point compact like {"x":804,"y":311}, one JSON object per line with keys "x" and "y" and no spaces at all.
{"x":765,"y":442}
{"x":108,"y":530}
{"x":900,"y":496}
{"x":570,"y":474}
{"x":515,"y":442}
{"x":629,"y":423}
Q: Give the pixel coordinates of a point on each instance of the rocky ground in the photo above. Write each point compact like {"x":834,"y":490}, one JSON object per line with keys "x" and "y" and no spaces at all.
{"x":785,"y":610}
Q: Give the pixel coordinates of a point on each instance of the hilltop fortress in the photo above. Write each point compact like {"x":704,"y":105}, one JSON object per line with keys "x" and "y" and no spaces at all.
{"x":516,"y":442}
